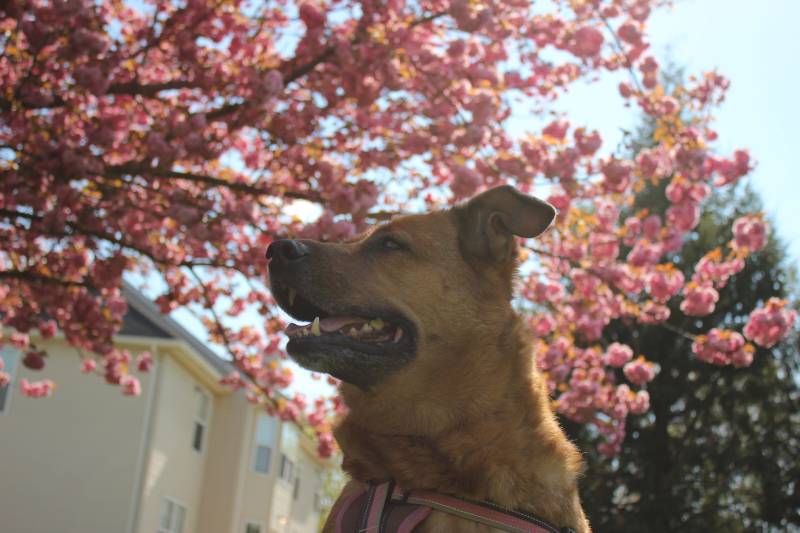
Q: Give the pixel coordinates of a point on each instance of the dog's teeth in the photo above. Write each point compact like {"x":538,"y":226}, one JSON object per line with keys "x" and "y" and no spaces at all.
{"x":366,"y":328}
{"x":315,"y":328}
{"x":292,"y":294}
{"x":377,"y":324}
{"x":353,"y":332}
{"x":398,"y":335}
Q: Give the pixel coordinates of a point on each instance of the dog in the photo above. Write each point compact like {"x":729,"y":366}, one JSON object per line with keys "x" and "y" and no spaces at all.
{"x":437,"y":370}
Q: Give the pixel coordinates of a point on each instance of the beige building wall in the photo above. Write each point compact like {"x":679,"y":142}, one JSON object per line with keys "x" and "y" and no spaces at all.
{"x":225,"y":467}
{"x":305,"y":514}
{"x":258,"y":488}
{"x":293,"y":511}
{"x":174,"y":469}
{"x":85,"y":460}
{"x":69,"y":463}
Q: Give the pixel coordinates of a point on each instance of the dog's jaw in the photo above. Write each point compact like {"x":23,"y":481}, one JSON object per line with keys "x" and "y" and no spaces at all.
{"x":503,"y":445}
{"x":352,"y":358}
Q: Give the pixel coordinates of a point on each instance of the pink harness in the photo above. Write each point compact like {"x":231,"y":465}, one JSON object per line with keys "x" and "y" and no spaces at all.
{"x":384,"y":508}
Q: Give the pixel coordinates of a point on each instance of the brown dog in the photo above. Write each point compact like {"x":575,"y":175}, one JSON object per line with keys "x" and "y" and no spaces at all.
{"x":438,"y":373}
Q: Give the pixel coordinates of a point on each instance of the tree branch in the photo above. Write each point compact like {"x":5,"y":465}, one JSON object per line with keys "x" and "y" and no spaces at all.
{"x":141,"y":169}
{"x":30,"y":275}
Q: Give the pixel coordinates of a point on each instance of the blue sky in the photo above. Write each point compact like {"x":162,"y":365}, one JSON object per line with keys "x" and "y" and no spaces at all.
{"x":753,"y":44}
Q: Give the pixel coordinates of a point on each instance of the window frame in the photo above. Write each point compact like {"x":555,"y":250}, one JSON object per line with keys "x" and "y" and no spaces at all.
{"x":296,"y":485}
{"x":285,"y":460}
{"x":260,"y":525}
{"x":269,"y":442}
{"x":255,"y":459}
{"x":170,"y":528}
{"x":9,"y":353}
{"x":199,"y":421}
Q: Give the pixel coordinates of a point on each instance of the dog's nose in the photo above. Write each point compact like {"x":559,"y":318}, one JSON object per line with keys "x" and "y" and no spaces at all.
{"x":287,"y":250}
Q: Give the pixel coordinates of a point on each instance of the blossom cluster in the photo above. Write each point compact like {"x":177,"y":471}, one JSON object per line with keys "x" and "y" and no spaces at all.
{"x":771,"y":323}
{"x":723,"y":347}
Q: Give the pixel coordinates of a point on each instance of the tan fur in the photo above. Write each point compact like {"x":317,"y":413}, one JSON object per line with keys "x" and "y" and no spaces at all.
{"x":470,"y":416}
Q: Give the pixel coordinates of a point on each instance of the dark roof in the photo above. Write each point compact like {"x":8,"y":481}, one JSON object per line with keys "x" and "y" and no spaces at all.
{"x":144,"y":319}
{"x":138,"y":325}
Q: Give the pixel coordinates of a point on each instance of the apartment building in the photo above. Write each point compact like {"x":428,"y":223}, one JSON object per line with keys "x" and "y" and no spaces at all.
{"x":187,"y":456}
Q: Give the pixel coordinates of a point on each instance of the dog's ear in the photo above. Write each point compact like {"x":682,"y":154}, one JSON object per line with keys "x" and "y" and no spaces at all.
{"x":489,"y":221}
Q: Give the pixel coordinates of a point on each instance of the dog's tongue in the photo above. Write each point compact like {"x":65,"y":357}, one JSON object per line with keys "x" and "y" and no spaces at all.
{"x":329,"y":325}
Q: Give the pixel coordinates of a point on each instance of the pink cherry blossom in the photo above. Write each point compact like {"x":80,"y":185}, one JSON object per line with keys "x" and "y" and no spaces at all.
{"x":36,"y":389}
{"x":144,"y":362}
{"x":617,"y":175}
{"x":664,"y":282}
{"x":654,"y":313}
{"x":586,"y":42}
{"x":771,"y":323}
{"x":465,"y":181}
{"x":645,"y":252}
{"x":618,"y":354}
{"x":543,"y":325}
{"x":713,"y":268}
{"x":750,"y":232}
{"x":556,"y":129}
{"x":639,"y":371}
{"x":684,"y":216}
{"x":723,"y":347}
{"x":587,"y":144}
{"x":130,"y":385}
{"x":699,"y":299}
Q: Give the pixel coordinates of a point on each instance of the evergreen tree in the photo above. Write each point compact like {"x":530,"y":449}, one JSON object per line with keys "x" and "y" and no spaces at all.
{"x":719,"y":449}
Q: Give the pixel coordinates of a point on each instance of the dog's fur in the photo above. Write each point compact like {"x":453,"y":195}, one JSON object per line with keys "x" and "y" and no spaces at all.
{"x":468,"y":415}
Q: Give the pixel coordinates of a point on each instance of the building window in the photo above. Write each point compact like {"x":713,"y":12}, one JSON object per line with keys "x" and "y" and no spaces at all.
{"x":296,"y":492}
{"x":172,"y":517}
{"x":263,"y":455}
{"x":200,"y":420}
{"x":286,"y":468}
{"x":10,"y":362}
{"x":252,"y":527}
{"x":266,"y":431}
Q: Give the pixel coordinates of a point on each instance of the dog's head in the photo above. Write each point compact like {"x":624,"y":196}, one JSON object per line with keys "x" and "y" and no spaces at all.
{"x":387,"y":305}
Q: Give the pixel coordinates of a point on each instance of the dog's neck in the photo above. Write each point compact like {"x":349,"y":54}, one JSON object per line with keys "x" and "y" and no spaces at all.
{"x":500,"y":443}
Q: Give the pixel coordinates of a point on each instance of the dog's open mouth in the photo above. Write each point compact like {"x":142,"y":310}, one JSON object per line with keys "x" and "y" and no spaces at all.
{"x":374,"y":331}
{"x":355,"y":344}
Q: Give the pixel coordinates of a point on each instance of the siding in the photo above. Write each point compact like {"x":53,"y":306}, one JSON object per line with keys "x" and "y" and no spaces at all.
{"x":173,"y":469}
{"x":226,"y":465}
{"x":68,"y":464}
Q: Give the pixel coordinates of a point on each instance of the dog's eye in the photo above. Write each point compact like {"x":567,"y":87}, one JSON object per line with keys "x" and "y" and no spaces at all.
{"x":390,"y":243}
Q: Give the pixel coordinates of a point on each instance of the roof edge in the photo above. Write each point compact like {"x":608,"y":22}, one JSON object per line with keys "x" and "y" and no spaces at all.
{"x":148,"y":308}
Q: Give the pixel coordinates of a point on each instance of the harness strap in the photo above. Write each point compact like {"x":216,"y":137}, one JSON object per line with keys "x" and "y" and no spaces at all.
{"x":377,"y":496}
{"x":485,"y":513}
{"x":384,"y":508}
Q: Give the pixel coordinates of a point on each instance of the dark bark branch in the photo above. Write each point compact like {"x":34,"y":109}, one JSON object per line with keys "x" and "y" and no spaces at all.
{"x":131,"y":88}
{"x":35,"y":277}
{"x":140,"y":169}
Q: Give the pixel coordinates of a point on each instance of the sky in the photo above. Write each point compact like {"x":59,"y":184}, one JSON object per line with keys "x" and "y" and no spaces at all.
{"x":750,"y":43}
{"x":747,"y":41}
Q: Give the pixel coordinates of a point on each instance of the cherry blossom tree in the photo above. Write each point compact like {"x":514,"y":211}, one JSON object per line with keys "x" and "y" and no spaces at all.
{"x":169,"y":138}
